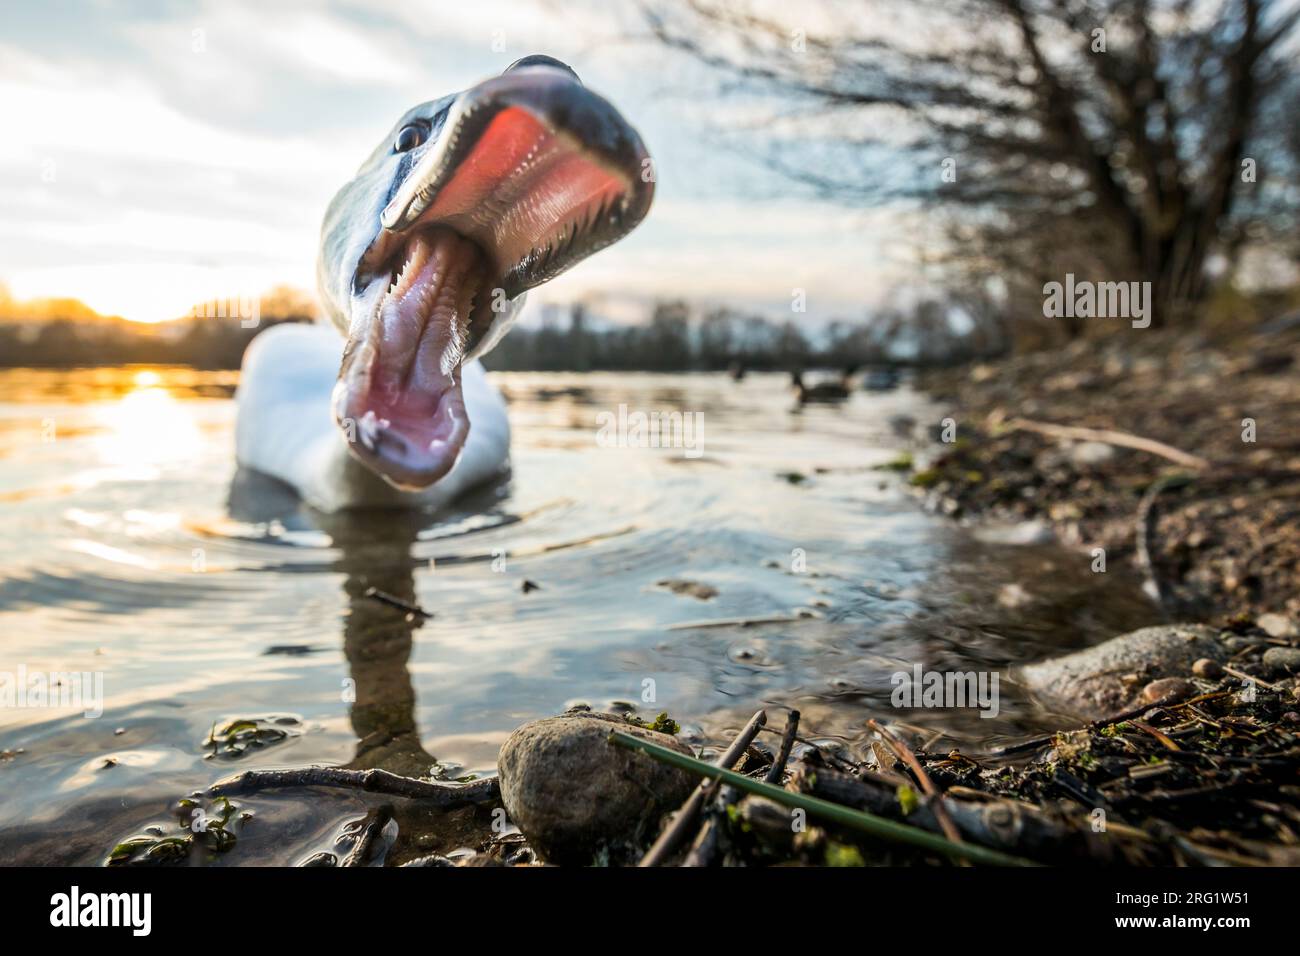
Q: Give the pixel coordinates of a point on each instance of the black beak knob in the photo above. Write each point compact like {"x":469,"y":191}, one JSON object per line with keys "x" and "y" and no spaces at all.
{"x":541,"y":59}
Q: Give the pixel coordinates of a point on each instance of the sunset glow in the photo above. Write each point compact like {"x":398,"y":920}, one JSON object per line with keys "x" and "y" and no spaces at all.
{"x":208,"y":143}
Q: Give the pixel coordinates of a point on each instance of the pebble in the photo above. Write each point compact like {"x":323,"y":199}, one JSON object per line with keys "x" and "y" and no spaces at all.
{"x":1091,"y":453}
{"x":1235,"y":644}
{"x":1275,"y":625}
{"x":1283,"y":658}
{"x":1207,"y":669}
{"x":1168,"y":689}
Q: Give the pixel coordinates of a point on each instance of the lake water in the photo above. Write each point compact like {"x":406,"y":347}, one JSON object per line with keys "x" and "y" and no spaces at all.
{"x":131,"y":549}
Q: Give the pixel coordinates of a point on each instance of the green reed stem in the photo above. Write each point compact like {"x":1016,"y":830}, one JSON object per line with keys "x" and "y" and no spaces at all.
{"x":815,"y":806}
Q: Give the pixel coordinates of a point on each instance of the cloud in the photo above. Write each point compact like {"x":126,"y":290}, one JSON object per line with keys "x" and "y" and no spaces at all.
{"x":234,"y":42}
{"x":148,"y":158}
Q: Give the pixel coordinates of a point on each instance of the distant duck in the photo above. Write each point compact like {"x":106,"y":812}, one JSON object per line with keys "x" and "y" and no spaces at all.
{"x":822,"y":392}
{"x":881,"y":379}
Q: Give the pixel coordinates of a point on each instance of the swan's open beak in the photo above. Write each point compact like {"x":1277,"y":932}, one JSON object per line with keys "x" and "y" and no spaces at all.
{"x":530,"y":174}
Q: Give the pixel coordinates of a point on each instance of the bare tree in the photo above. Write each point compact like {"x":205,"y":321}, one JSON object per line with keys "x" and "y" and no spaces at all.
{"x":1117,"y":139}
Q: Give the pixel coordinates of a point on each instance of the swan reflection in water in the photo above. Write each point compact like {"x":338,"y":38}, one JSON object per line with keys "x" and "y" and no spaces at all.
{"x":375,"y":552}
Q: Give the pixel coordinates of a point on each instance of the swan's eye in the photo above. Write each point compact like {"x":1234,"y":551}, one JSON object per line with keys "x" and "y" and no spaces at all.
{"x":410,"y":137}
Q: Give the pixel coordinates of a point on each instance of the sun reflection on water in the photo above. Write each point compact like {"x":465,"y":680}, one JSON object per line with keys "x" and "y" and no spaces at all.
{"x":147,"y":426}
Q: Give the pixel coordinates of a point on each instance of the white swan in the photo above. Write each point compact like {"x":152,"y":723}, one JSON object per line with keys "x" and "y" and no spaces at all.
{"x":425,"y":258}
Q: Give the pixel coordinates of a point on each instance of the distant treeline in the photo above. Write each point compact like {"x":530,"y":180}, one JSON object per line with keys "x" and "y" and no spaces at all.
{"x":66,"y":343}
{"x":65,"y":333}
{"x":673,"y":339}
{"x":677,"y":339}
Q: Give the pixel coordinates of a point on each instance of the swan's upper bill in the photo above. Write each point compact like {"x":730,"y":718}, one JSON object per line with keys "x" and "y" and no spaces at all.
{"x":469,"y":202}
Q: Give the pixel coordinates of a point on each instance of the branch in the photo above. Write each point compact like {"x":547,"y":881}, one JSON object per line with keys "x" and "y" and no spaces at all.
{"x":1110,"y":437}
{"x":484,"y":790}
{"x":905,"y":754}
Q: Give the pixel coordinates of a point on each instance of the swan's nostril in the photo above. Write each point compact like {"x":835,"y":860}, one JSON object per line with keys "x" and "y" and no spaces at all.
{"x":541,"y":59}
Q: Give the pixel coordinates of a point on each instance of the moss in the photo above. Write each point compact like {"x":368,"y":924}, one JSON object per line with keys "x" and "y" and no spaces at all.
{"x":1241,"y":621}
{"x":662,"y":724}
{"x":908,"y":800}
{"x":240,"y":736}
{"x":839,"y":854}
{"x":665,"y":724}
{"x":903,"y":462}
{"x":215,"y":833}
{"x":925,"y":479}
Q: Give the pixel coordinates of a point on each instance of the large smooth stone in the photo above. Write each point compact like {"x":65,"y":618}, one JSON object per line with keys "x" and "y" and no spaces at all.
{"x":578,"y":798}
{"x":1109,"y":678}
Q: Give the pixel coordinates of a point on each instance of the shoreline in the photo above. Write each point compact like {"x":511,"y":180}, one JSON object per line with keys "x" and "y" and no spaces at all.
{"x":1212,"y":516}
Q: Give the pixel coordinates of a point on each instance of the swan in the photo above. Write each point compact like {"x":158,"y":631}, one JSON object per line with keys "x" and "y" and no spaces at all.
{"x":425,"y":259}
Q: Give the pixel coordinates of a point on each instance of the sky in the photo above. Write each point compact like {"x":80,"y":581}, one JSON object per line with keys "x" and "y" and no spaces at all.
{"x":159,"y":154}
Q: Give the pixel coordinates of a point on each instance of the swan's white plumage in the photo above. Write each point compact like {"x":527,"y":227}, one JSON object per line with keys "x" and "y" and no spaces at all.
{"x":286,"y":429}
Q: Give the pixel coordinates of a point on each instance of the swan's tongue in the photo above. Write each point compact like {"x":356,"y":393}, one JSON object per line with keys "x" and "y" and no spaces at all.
{"x":401,"y":404}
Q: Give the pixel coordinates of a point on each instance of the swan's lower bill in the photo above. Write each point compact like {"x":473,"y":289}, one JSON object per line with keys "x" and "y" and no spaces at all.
{"x":399,"y":399}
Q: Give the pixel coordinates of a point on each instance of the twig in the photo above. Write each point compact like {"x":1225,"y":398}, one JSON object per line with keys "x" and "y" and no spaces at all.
{"x":1243,"y":676}
{"x":375,"y":823}
{"x":391,"y":600}
{"x":685,"y":818}
{"x":735,"y":622}
{"x":1143,"y":533}
{"x":1200,"y":698}
{"x":777,"y":769}
{"x":484,"y":790}
{"x":801,"y":739}
{"x":1004,"y":824}
{"x":1079,"y":790}
{"x":905,"y":754}
{"x":705,"y":848}
{"x":1199,"y":851}
{"x":856,"y":819}
{"x":1124,"y":715}
{"x":1158,"y":735}
{"x":1110,"y":436}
